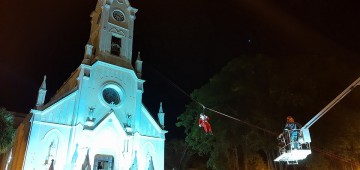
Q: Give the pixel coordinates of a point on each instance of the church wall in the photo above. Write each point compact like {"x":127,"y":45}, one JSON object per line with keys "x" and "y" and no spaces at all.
{"x":48,"y":141}
{"x":19,"y":148}
{"x":108,"y":138}
{"x":4,"y":159}
{"x":149,"y":148}
{"x":109,"y":143}
{"x":159,"y":156}
{"x":62,"y":112}
{"x":147,"y":126}
{"x":49,"y":134}
{"x":103,"y":75}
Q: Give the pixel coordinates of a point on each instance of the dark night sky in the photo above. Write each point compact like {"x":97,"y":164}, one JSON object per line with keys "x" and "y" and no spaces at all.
{"x":187,"y":41}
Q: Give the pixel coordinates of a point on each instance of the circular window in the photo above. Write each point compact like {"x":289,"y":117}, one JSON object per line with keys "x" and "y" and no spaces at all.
{"x":111,"y":96}
{"x":118,"y":16}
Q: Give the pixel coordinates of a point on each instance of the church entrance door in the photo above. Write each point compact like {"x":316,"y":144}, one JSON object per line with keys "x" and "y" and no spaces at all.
{"x":103,"y":162}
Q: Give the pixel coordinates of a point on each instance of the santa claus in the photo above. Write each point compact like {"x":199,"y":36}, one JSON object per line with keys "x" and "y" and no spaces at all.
{"x":204,"y":122}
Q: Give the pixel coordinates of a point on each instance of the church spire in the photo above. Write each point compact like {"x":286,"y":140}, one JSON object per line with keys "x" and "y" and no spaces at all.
{"x":41,"y":94}
{"x":161,"y":116}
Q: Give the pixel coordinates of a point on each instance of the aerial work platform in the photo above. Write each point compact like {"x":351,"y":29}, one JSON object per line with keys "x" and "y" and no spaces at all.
{"x":294,"y":151}
{"x":293,"y":156}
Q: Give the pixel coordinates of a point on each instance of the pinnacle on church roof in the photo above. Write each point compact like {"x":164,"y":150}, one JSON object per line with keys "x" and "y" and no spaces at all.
{"x":134,"y":165}
{"x":138,"y":57}
{"x":161,"y":109}
{"x":43,"y":84}
{"x":151,"y":164}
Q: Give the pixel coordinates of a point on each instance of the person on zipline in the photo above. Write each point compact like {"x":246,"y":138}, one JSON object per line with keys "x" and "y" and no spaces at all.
{"x":204,"y":122}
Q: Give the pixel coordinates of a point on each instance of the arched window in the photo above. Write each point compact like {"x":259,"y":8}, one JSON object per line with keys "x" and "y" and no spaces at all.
{"x":115,"y":45}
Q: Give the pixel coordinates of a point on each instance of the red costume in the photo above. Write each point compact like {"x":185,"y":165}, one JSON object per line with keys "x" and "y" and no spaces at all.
{"x":204,"y":122}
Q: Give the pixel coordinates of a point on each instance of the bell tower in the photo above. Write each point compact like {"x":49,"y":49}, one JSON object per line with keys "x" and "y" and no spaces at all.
{"x":111,"y":35}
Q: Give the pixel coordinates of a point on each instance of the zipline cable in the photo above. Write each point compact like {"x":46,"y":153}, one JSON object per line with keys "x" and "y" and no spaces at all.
{"x":244,"y":122}
{"x":204,"y":107}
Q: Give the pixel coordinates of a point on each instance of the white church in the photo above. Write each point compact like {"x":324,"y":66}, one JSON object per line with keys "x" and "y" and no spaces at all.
{"x":96,"y":120}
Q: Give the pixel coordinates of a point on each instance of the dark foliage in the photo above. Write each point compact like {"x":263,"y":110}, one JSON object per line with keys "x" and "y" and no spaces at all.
{"x":7,"y":131}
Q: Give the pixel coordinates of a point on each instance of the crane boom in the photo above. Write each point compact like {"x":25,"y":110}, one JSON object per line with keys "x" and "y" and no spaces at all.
{"x":331,"y":104}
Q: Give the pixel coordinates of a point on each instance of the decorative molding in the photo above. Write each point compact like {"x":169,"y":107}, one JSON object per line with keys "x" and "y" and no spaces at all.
{"x":118,"y":31}
{"x":54,"y":131}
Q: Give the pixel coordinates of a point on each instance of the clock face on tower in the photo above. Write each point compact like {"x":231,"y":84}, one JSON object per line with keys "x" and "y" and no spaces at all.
{"x":118,"y":16}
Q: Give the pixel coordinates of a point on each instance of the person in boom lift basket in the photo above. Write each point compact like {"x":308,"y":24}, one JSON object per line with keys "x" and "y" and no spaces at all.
{"x":292,"y":130}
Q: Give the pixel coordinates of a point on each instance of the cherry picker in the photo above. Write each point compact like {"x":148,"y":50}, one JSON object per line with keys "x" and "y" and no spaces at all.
{"x":293,"y":155}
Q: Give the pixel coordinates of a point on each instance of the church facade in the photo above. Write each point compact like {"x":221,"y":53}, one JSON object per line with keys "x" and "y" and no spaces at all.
{"x":96,"y":119}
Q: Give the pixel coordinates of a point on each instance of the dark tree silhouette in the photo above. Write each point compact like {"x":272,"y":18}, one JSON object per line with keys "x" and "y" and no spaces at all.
{"x":7,"y":131}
